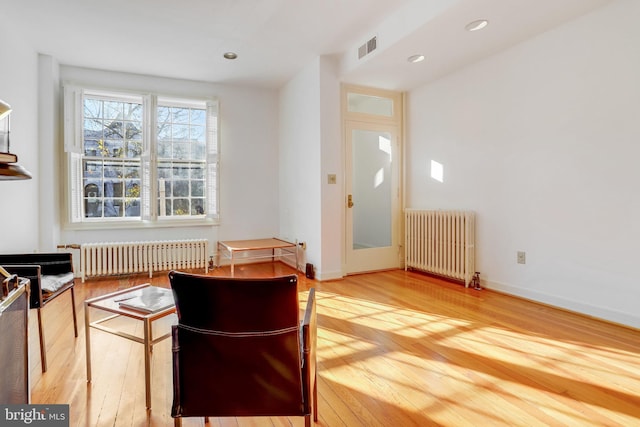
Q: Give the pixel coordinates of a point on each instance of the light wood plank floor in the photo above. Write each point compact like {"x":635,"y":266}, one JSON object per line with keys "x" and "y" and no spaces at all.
{"x":394,"y":349}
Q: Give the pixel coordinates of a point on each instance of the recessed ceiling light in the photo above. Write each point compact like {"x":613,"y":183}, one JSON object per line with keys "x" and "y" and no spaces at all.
{"x":476,"y":25}
{"x":415,"y":58}
{"x":230,"y":55}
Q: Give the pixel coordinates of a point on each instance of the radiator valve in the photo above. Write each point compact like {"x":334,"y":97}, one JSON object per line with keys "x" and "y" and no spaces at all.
{"x":475,"y":281}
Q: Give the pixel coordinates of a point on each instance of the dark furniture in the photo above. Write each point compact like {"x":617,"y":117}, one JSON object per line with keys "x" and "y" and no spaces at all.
{"x":14,"y":354}
{"x":240,"y":349}
{"x":51,"y":275}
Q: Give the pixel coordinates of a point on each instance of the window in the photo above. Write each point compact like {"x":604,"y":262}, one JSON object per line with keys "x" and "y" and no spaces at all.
{"x":136,"y":158}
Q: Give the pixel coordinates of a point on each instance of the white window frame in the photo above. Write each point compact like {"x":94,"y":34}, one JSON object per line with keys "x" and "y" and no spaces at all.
{"x":73,"y":147}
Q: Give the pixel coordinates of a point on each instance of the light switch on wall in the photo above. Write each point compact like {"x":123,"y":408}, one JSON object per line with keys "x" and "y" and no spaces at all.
{"x":331,"y":178}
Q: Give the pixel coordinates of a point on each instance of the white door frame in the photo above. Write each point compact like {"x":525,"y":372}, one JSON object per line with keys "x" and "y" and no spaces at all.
{"x":382,"y":258}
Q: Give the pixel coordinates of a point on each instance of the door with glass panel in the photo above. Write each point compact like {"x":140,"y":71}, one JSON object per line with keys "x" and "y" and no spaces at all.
{"x":372,"y":153}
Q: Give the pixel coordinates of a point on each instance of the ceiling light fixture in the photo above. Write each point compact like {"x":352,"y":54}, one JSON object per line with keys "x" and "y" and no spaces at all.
{"x":230,"y":55}
{"x":476,"y":25}
{"x":415,"y":58}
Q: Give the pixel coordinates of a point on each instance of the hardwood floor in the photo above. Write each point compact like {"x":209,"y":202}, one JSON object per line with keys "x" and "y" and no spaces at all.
{"x":395,"y":348}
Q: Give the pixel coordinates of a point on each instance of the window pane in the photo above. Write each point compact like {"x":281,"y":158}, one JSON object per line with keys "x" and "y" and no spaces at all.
{"x":199,"y":151}
{"x":132,"y":171}
{"x":180,"y":115}
{"x":181,"y":207}
{"x":133,"y":148}
{"x":113,"y":109}
{"x":113,"y":148}
{"x":164,"y":132}
{"x":93,"y":127}
{"x":132,"y":198}
{"x":92,"y":169}
{"x":164,"y":150}
{"x":198,"y":117}
{"x":181,"y":150}
{"x":93,"y":108}
{"x":111,"y":208}
{"x":132,"y":111}
{"x":197,"y":188}
{"x":180,"y":132}
{"x":164,"y":170}
{"x":133,"y":130}
{"x":197,"y":171}
{"x":180,"y":188}
{"x":92,"y":198}
{"x":114,"y":129}
{"x":132,"y":188}
{"x":197,"y":207}
{"x":181,"y":172}
{"x":197,"y":133}
{"x":164,"y":115}
{"x":132,"y":208}
{"x":368,"y":104}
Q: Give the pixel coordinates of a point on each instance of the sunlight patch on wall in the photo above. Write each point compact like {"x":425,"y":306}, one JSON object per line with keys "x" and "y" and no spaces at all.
{"x":379,"y":178}
{"x":437,"y":171}
{"x":384,"y":144}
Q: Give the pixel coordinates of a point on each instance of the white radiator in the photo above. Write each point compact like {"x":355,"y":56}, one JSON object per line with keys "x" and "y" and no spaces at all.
{"x":102,"y":259}
{"x":441,"y":242}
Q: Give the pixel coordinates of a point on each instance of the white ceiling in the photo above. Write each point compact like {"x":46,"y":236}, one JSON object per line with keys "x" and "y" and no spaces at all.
{"x":275,"y":39}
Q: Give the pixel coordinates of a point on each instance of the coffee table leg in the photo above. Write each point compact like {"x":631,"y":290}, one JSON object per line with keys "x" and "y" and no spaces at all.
{"x":87,"y":332}
{"x":147,"y":361}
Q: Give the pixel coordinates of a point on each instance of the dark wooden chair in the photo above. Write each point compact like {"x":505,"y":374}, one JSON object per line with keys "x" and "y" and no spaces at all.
{"x":240,"y":349}
{"x":51,"y":275}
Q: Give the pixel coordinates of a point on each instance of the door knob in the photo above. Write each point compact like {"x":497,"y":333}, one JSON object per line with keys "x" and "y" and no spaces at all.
{"x":349,"y":201}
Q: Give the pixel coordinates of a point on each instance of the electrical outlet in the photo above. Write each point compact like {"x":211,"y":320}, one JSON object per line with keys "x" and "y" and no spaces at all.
{"x":522,"y":257}
{"x":331,"y":178}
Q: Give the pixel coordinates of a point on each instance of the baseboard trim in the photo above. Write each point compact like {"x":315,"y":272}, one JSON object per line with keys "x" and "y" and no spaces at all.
{"x":600,"y":313}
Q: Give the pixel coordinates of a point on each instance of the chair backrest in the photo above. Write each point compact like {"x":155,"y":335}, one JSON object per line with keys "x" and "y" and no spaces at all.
{"x":52,"y":263}
{"x":237,"y":346}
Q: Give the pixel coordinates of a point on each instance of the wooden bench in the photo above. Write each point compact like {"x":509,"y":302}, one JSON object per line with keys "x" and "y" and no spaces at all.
{"x":51,"y":275}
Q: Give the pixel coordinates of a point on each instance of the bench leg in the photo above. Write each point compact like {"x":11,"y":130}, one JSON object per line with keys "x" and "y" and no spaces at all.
{"x":43,"y":353}
{"x":73,"y":310}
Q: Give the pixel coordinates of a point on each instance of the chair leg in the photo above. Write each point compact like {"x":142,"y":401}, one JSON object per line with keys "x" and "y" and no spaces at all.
{"x":177,"y":422}
{"x":315,"y":399}
{"x":206,"y":420}
{"x":307,"y":421}
{"x":73,"y":310}
{"x":43,"y":352}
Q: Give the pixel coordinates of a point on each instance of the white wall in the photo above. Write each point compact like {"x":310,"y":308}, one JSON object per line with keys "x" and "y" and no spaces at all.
{"x":18,"y":87}
{"x":50,"y":156}
{"x":299,"y":151}
{"x":310,"y":150}
{"x":543,"y":142}
{"x":331,"y":152}
{"x":248,"y":159}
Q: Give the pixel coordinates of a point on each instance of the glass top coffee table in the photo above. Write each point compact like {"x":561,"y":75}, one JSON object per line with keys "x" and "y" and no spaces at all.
{"x":278,"y":250}
{"x":112,"y":303}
